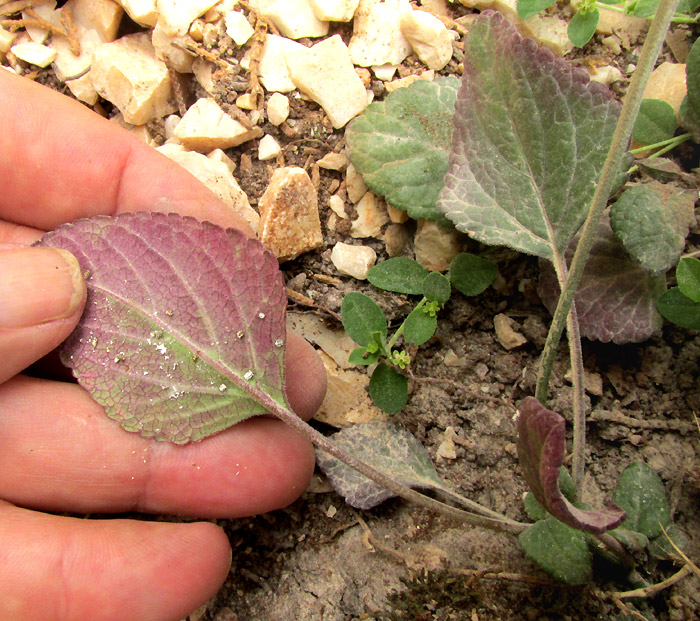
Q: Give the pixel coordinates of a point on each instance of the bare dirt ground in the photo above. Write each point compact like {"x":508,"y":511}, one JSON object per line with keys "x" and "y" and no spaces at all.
{"x":322,"y":560}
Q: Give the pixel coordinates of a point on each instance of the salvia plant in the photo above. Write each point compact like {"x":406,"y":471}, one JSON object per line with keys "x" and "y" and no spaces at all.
{"x":183,"y":333}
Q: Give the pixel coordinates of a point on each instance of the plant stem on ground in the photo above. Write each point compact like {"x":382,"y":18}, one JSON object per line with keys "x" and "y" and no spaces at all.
{"x":608,"y":176}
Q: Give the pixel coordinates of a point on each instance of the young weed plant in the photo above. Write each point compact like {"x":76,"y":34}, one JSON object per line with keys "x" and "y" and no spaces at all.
{"x":183,"y":333}
{"x":366,"y":324}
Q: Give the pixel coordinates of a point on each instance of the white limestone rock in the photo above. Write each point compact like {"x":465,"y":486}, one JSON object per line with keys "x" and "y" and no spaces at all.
{"x":293,"y":18}
{"x":668,"y":82}
{"x":334,"y":10}
{"x":354,"y":261}
{"x":371,"y":217}
{"x":274,"y":73}
{"x":46,"y":12}
{"x":127,"y":73}
{"x":429,"y":38}
{"x":217,"y":177}
{"x":435,"y":245}
{"x":176,"y":16}
{"x":143,"y":12}
{"x":34,"y":53}
{"x":205,"y":126}
{"x":334,"y":161}
{"x":268,"y":148}
{"x":354,"y":184}
{"x":171,"y":49}
{"x":506,"y":333}
{"x":377,"y":38}
{"x":6,"y":40}
{"x":277,"y":108}
{"x":289,"y":219}
{"x":104,"y":16}
{"x":238,"y":27}
{"x":337,"y":205}
{"x":325,"y":74}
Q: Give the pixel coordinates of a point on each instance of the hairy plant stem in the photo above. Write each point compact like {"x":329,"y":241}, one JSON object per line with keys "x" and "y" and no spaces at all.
{"x":623,"y":131}
{"x":496,"y":521}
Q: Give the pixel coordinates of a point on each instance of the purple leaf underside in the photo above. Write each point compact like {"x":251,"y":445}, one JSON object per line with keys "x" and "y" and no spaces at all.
{"x":541,"y":444}
{"x":530,"y":139}
{"x":616,"y":299}
{"x":183,"y":332}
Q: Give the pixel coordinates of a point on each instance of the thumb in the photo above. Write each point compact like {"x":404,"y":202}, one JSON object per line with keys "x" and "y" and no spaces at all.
{"x":42,"y":294}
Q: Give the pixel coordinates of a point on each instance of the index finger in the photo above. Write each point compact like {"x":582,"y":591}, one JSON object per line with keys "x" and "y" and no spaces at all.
{"x":60,"y":161}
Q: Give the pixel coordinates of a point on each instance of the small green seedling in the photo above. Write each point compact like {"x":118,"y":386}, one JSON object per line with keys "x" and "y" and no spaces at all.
{"x":366,"y":324}
{"x":583,"y":24}
{"x":681,"y":304}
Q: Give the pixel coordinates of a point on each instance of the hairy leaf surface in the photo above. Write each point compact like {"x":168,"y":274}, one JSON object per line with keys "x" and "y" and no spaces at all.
{"x":400,"y":145}
{"x":183,"y":331}
{"x":641,"y":494}
{"x":692,"y":114}
{"x":541,"y":444}
{"x":652,"y":221}
{"x":387,"y":448}
{"x":616,"y":300}
{"x":531,"y":135}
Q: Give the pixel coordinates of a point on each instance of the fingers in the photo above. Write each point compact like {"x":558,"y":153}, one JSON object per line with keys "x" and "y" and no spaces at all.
{"x":54,"y":568}
{"x":42,"y":294}
{"x":61,"y":162}
{"x":59,"y":451}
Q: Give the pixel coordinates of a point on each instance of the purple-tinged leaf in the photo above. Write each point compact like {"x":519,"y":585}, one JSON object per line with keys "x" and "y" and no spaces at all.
{"x":385,"y":447}
{"x":183,"y":331}
{"x":616,"y":300}
{"x":541,"y":444}
{"x":531,"y":136}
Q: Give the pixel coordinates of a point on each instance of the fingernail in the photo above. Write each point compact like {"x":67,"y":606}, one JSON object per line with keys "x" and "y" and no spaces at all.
{"x":38,"y":285}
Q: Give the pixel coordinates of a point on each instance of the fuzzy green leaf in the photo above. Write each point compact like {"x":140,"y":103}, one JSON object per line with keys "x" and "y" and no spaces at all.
{"x":652,"y":221}
{"x":386,"y":447}
{"x":660,"y":547}
{"x":436,"y":288}
{"x":183,"y":331}
{"x":688,"y":277}
{"x":471,"y":274}
{"x":641,"y":494}
{"x":419,"y":327}
{"x":398,"y":274}
{"x":362,"y":317}
{"x":691,"y":118}
{"x":644,"y":8}
{"x":656,"y":122}
{"x":362,"y":356}
{"x":388,"y":389}
{"x":678,"y":308}
{"x":528,"y":8}
{"x":558,"y":549}
{"x":531,"y":136}
{"x":400,"y":145}
{"x":582,"y":26}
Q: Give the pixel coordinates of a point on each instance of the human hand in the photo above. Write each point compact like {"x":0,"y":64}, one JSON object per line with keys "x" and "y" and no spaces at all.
{"x":58,"y":451}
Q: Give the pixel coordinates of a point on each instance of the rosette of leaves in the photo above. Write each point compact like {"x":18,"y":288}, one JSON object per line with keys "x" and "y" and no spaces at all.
{"x":366,"y":324}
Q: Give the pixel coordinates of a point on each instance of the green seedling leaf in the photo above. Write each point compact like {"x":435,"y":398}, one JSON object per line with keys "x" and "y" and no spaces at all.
{"x":688,"y":6}
{"x":645,"y":8}
{"x":688,"y":277}
{"x":558,"y":549}
{"x":656,"y":122}
{"x":691,"y":118}
{"x":388,"y":389}
{"x":541,"y":443}
{"x":616,"y":300}
{"x":660,"y":547}
{"x":400,"y":145}
{"x":362,"y":356}
{"x":470,"y":274}
{"x":531,"y":136}
{"x":419,"y":327}
{"x":436,"y":288}
{"x":632,"y":540}
{"x":183,"y":331}
{"x":398,"y":274}
{"x":528,"y":8}
{"x":362,"y":317}
{"x":641,"y":494}
{"x":678,"y":308}
{"x":582,"y":26}
{"x":535,"y":511}
{"x":652,"y":221}
{"x":387,"y":448}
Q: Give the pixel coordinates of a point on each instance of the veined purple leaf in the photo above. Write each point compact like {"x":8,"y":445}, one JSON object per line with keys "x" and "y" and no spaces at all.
{"x":616,"y":299}
{"x":183,"y":332}
{"x":530,"y":139}
{"x":541,"y":443}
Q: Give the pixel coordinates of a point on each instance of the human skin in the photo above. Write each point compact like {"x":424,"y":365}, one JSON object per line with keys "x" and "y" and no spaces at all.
{"x":59,"y":452}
